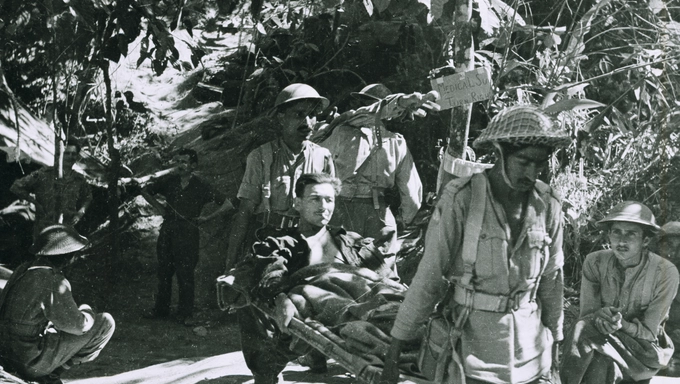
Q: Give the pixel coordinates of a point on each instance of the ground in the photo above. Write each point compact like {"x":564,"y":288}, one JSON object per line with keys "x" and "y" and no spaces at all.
{"x":160,"y":351}
{"x":163,"y":351}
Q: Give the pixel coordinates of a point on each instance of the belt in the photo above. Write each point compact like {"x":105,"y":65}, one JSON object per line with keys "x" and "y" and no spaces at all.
{"x":277,"y":220}
{"x":364,"y":200}
{"x":491,"y":303}
{"x":359,"y":191}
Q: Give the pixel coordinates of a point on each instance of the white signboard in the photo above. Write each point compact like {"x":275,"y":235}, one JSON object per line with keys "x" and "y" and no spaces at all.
{"x":463,"y":88}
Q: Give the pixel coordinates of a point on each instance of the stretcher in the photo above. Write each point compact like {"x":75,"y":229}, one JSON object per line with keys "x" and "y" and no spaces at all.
{"x":322,"y":339}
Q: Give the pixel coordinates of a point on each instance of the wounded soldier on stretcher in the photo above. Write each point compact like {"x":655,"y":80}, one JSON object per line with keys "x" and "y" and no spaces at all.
{"x":324,"y":276}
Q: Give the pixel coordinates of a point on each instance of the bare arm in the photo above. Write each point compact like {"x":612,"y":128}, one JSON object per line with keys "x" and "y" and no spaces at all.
{"x":238,"y":232}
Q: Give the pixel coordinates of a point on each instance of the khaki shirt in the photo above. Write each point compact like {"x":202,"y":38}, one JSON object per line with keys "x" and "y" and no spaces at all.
{"x":285,"y":169}
{"x":606,"y":283}
{"x":38,"y":305}
{"x":73,"y":189}
{"x":498,"y":347}
{"x":352,"y":141}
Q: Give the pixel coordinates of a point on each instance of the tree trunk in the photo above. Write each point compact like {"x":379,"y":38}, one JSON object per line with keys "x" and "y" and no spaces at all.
{"x":114,"y":170}
{"x":463,"y":59}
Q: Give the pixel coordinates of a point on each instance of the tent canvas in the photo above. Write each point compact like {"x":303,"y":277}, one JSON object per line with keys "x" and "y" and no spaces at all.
{"x":35,"y":136}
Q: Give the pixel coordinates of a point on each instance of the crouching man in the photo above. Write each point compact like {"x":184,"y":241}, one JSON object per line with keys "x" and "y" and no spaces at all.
{"x":265,"y":348}
{"x":42,"y":330}
{"x":626,"y":294}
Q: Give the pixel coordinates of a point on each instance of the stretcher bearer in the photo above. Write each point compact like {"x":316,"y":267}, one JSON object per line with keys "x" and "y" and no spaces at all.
{"x":370,"y":160}
{"x":506,"y":289}
{"x":267,"y":191}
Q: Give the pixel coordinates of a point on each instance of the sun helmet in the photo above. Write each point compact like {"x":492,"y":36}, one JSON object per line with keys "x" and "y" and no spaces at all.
{"x":375,"y":92}
{"x":522,"y":125}
{"x":58,"y":239}
{"x":631,"y":212}
{"x":671,"y":228}
{"x":299,"y":91}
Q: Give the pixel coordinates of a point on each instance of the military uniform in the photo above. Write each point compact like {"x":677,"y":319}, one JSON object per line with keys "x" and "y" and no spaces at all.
{"x":272,"y":170}
{"x":369,"y":160}
{"x":42,"y":328}
{"x":73,"y":191}
{"x":517,"y":310}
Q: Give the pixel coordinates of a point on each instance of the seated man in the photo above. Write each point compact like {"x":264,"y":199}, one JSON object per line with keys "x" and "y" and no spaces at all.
{"x":265,"y":349}
{"x":669,"y":248}
{"x":42,"y":330}
{"x":626,"y":294}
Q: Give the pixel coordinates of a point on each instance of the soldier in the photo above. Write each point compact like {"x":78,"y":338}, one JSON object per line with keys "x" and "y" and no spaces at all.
{"x":266,"y":193}
{"x":43,"y":331}
{"x":626,"y":294}
{"x":62,"y":200}
{"x":370,"y":160}
{"x":178,"y":243}
{"x":504,"y":266}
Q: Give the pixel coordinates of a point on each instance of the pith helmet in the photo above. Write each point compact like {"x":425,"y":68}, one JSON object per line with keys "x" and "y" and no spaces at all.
{"x":58,"y":239}
{"x":631,"y":212}
{"x":522,"y":125}
{"x":299,"y":91}
{"x":671,"y":228}
{"x":375,"y":91}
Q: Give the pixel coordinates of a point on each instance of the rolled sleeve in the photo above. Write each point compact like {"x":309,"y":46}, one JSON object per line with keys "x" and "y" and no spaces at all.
{"x":410,"y":187}
{"x":251,"y":185}
{"x":442,"y":240}
{"x":551,"y":285}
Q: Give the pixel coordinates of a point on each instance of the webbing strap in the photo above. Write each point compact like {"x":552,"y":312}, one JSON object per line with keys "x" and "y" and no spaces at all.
{"x":473,"y":227}
{"x":377,"y":136}
{"x":267,"y":160}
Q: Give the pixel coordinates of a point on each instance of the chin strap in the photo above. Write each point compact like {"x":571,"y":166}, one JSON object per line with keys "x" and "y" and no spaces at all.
{"x":501,"y":159}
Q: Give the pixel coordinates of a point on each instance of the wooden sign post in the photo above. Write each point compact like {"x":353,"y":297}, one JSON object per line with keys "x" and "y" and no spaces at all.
{"x":463,"y":88}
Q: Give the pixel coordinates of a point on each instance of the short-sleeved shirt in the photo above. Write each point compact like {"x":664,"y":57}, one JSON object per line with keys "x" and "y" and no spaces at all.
{"x":72,"y":188}
{"x":36,"y":295}
{"x":498,"y":347}
{"x":606,"y":283}
{"x":284,"y":170}
{"x":185,"y":203}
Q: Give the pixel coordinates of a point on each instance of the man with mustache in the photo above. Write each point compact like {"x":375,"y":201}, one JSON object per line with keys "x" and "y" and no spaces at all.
{"x":503,"y":267}
{"x":626,"y":294}
{"x":266,"y":193}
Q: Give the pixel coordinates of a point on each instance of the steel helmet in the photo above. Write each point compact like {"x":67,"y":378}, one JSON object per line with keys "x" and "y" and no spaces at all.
{"x":671,"y":228}
{"x":58,"y":239}
{"x":522,"y":125}
{"x":375,"y":91}
{"x":631,"y":212}
{"x":299,"y":91}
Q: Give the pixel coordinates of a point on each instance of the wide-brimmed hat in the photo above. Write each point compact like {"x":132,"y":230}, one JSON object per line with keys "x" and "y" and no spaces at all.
{"x":299,"y":91}
{"x":671,"y":228}
{"x":631,"y":212}
{"x":523,"y":125}
{"x":58,"y":239}
{"x":375,"y":91}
